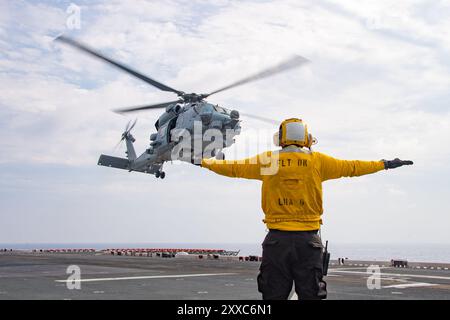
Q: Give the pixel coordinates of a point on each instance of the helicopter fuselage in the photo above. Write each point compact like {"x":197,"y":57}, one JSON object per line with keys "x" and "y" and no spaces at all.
{"x":193,"y":119}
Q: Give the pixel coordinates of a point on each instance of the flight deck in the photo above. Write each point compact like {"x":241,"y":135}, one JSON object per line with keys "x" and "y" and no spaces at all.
{"x":26,"y":275}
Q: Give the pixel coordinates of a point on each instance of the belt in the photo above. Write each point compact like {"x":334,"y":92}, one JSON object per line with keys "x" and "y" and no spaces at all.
{"x":293,"y":232}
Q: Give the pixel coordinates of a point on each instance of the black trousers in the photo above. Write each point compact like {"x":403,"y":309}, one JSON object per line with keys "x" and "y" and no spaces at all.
{"x":292,"y":257}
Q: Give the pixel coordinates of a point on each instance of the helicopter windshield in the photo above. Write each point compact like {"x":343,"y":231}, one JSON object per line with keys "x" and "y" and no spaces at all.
{"x":221,"y":110}
{"x":203,"y":108}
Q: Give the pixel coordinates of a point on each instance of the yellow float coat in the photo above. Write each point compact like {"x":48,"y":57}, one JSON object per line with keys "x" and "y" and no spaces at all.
{"x":292,"y":183}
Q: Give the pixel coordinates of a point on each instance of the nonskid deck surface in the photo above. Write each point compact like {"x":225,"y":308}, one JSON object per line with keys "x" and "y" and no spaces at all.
{"x":44,"y":276}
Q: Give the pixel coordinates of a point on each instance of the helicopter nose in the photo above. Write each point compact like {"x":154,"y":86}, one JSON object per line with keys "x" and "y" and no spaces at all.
{"x":234,"y":114}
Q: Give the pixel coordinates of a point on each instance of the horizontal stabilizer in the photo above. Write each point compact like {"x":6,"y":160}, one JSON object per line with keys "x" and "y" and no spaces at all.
{"x":114,"y":162}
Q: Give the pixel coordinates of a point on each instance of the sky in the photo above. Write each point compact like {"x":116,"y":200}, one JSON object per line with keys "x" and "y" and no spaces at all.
{"x":377,"y":88}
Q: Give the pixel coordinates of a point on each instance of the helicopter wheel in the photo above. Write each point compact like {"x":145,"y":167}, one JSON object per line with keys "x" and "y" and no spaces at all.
{"x":162,"y":175}
{"x":157,"y":174}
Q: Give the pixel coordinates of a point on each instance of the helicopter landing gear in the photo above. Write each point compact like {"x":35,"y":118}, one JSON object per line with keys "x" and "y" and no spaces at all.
{"x":160,"y":174}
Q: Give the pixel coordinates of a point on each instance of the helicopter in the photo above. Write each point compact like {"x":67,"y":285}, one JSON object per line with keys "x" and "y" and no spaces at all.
{"x":190,"y":114}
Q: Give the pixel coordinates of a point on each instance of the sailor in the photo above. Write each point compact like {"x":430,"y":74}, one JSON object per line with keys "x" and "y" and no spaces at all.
{"x":292,"y":203}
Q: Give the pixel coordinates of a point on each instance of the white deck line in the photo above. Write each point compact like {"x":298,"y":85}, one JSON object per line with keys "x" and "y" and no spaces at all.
{"x":149,"y":277}
{"x":393,"y":274}
{"x":409,"y":285}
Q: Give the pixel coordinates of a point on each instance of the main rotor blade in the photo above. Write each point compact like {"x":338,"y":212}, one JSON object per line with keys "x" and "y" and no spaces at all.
{"x":291,"y":63}
{"x":264,"y":119}
{"x":121,"y":66}
{"x":152,"y":106}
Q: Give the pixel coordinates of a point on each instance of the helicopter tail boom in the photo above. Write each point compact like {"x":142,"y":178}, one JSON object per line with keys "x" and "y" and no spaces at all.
{"x":125,"y":164}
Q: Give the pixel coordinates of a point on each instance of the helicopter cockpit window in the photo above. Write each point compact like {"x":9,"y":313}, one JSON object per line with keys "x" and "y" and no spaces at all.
{"x":207,"y":108}
{"x":203,"y":108}
{"x":171,"y":125}
{"x":221,"y":110}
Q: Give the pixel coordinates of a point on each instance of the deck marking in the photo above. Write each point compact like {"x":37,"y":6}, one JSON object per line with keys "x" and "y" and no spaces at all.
{"x":409,"y":285}
{"x":350,"y":269}
{"x":150,"y":277}
{"x":394,"y":274}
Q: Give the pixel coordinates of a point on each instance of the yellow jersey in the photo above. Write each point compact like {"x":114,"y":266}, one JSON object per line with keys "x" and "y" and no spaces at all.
{"x":292,"y":183}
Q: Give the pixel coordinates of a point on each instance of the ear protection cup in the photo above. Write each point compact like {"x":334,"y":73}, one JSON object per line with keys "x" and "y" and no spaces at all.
{"x":309,"y":141}
{"x":276,"y":139}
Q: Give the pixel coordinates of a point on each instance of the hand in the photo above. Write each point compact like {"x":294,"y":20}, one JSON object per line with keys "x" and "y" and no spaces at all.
{"x":391,"y":164}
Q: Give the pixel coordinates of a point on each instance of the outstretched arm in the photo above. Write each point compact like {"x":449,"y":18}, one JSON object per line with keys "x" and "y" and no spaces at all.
{"x":248,"y":168}
{"x":331,"y":168}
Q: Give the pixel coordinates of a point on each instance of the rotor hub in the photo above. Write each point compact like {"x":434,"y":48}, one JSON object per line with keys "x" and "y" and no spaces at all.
{"x":192,"y":97}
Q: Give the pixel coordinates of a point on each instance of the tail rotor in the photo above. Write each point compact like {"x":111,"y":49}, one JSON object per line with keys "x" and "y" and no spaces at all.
{"x":127,"y":134}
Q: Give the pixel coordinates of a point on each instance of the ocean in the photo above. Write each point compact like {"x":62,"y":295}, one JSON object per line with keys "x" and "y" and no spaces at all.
{"x":372,"y":252}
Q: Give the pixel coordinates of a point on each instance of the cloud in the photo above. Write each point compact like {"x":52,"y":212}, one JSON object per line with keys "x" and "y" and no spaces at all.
{"x":377,"y":88}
